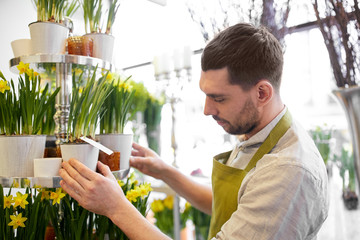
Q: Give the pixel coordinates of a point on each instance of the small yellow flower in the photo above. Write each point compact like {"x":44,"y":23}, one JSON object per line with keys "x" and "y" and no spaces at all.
{"x":44,"y":194}
{"x":8,"y":201}
{"x":4,"y":86}
{"x":17,"y":221}
{"x":31,"y":73}
{"x":27,"y":182}
{"x":15,"y":184}
{"x":169,"y":202}
{"x":22,"y":67}
{"x":37,"y":186}
{"x":20,"y":200}
{"x":157,"y":206}
{"x":187,"y":206}
{"x":132,"y":195}
{"x":132,"y":178}
{"x":144,"y":189}
{"x":121,"y":183}
{"x":57,"y":196}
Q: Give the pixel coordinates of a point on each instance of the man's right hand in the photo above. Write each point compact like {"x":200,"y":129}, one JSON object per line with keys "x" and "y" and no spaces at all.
{"x":147,"y":161}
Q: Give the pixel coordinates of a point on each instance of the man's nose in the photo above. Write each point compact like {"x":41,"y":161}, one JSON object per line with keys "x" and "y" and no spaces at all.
{"x":209,"y":108}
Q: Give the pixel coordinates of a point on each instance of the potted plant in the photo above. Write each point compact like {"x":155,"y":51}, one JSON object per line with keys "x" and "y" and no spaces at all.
{"x":103,"y":43}
{"x":115,"y":114}
{"x":85,"y":105}
{"x":49,"y":32}
{"x":22,"y":117}
{"x":339,"y":23}
{"x":347,"y":173}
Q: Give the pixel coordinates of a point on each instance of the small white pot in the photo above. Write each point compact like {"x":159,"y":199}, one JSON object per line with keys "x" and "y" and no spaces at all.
{"x":103,"y":45}
{"x":48,"y":37}
{"x":118,"y":143}
{"x":47,"y":167}
{"x":21,"y":47}
{"x":83,"y":152}
{"x":17,"y":154}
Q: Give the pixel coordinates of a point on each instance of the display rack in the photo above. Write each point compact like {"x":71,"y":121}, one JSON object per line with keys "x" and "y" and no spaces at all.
{"x":64,"y":64}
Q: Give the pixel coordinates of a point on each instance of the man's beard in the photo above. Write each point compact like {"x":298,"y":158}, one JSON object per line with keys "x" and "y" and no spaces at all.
{"x":246,"y":125}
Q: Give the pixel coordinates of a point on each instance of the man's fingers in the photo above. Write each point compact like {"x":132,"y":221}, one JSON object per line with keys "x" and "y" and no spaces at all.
{"x":104,"y":170}
{"x":69,"y":184}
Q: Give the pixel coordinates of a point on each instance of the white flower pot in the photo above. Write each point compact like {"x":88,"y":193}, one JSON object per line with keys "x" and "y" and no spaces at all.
{"x":83,"y":152}
{"x":103,"y":45}
{"x":48,"y":37}
{"x":21,"y":47}
{"x":17,"y":154}
{"x":47,"y":167}
{"x":118,"y":143}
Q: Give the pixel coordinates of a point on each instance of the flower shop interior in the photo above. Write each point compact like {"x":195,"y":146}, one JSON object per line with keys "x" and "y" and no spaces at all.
{"x":156,"y":51}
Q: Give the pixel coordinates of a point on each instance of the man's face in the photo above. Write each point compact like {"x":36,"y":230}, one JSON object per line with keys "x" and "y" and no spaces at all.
{"x":231,"y":106}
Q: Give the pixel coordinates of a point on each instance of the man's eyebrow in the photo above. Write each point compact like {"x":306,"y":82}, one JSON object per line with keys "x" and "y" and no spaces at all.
{"x":214,"y":95}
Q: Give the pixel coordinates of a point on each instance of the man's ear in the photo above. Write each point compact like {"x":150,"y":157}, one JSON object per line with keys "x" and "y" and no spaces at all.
{"x":264,"y":92}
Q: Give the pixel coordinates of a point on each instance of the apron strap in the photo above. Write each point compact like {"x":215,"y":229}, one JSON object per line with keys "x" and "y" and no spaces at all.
{"x":278,"y":131}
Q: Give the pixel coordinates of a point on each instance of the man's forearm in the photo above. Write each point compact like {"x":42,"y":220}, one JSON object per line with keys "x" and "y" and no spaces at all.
{"x":199,"y":195}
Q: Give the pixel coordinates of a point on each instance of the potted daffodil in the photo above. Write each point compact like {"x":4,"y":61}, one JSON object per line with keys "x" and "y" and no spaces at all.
{"x":50,"y":31}
{"x":115,"y":114}
{"x":85,"y":106}
{"x":103,"y":42}
{"x":22,"y":116}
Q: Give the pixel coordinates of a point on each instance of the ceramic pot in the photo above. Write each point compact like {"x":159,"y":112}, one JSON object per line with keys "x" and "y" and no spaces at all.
{"x":103,"y":45}
{"x":121,"y":143}
{"x":84,"y":152}
{"x":48,"y":37}
{"x":21,"y":47}
{"x":17,"y":154}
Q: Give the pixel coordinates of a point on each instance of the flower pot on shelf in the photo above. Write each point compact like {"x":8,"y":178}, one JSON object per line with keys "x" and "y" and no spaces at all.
{"x":83,"y":152}
{"x":119,"y":143}
{"x":48,"y":37}
{"x":21,"y":47}
{"x":103,"y":45}
{"x":17,"y":154}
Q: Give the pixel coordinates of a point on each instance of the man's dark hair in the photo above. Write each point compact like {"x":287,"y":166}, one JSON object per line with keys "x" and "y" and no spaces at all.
{"x":249,"y":53}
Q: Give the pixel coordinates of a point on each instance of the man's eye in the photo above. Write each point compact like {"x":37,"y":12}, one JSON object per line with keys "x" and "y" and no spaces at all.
{"x":218,"y":99}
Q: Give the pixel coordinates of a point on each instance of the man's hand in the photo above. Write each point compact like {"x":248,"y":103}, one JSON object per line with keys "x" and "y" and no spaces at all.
{"x":147,"y":161}
{"x":97,"y":192}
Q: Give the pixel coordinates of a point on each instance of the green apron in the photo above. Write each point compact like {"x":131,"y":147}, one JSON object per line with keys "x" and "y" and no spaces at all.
{"x":226,"y":180}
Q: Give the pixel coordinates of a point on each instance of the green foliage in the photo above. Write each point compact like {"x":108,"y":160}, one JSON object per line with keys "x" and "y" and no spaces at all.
{"x":322,"y":137}
{"x":29,"y":112}
{"x":85,"y":106}
{"x":116,"y":110}
{"x":114,"y":7}
{"x":201,"y":222}
{"x":54,"y":10}
{"x":347,"y":168}
{"x":92,"y":15}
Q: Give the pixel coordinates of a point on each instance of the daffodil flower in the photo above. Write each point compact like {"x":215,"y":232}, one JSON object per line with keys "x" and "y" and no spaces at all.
{"x":17,"y":221}
{"x":20,"y":200}
{"x":169,"y":202}
{"x":22,"y":67}
{"x":44,"y":194}
{"x":157,"y":206}
{"x":8,"y":200}
{"x":57,"y":196}
{"x":121,"y":183}
{"x":15,"y":184}
{"x":144,"y":189}
{"x":132,"y":195}
{"x":27,"y":182}
{"x":4,"y":86}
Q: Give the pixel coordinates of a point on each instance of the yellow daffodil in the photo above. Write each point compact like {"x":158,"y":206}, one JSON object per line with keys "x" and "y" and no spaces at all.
{"x":132,"y":178}
{"x":187,"y":206}
{"x":37,"y":186}
{"x":20,"y":200}
{"x":57,"y":196}
{"x":8,"y":200}
{"x":4,"y":86}
{"x":121,"y":183}
{"x":31,"y":73}
{"x":15,"y":184}
{"x":17,"y":221}
{"x":132,"y":195}
{"x":22,"y":67}
{"x":144,"y":189}
{"x":27,"y":182}
{"x":44,"y":194}
{"x":78,"y":71}
{"x":110,"y":77}
{"x":157,"y":206}
{"x":169,"y":202}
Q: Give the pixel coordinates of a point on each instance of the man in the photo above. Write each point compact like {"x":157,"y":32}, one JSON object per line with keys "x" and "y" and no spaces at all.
{"x":273,"y":185}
